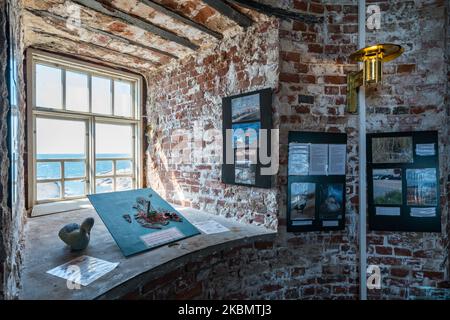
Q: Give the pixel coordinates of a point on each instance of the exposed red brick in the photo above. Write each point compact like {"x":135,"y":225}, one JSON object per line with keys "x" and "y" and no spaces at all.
{"x":406,"y":68}
{"x":335,"y":79}
{"x":289,"y":77}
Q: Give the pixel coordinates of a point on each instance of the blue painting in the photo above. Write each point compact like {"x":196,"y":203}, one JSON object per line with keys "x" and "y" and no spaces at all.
{"x":118,"y":212}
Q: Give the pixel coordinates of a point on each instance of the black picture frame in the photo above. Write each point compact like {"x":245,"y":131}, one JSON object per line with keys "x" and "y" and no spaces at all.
{"x":402,"y":220}
{"x":265,"y":122}
{"x":319,"y":223}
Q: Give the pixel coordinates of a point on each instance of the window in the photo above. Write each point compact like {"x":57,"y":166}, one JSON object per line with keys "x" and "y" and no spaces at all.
{"x":85,"y":123}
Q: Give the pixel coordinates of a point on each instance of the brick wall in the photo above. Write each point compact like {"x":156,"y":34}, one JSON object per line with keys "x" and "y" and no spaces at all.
{"x":309,"y":265}
{"x":188,"y":96}
{"x":412,"y":98}
{"x":11,"y":221}
{"x":310,"y":96}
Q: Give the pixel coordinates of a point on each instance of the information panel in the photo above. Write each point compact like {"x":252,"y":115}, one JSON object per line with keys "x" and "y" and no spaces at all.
{"x":316,"y":181}
{"x":122,"y":213}
{"x":403,"y":181}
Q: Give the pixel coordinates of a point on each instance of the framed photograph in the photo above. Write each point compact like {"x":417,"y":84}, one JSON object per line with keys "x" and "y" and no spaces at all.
{"x":316,"y":199}
{"x":245,"y":135}
{"x":303,"y":201}
{"x":331,"y":201}
{"x":245,"y":108}
{"x":392,"y":150}
{"x":245,"y":115}
{"x":387,"y":186}
{"x":421,"y":186}
{"x":403,"y":181}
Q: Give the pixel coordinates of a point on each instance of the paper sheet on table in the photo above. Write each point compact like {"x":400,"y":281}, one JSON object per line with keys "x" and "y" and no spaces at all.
{"x":318,"y":159}
{"x":210,"y":227}
{"x":83,"y":270}
{"x":161,"y":237}
{"x":337,"y":154}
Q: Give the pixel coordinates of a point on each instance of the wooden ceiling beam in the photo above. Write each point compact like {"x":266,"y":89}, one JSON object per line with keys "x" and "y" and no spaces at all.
{"x":181,"y":18}
{"x":277,"y":12}
{"x":49,"y":15}
{"x":231,"y":13}
{"x":93,"y":45}
{"x":135,"y":21}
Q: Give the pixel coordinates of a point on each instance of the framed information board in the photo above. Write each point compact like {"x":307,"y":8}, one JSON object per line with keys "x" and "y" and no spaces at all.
{"x":247,"y":116}
{"x":118,"y":212}
{"x":316,"y":181}
{"x":403,"y":181}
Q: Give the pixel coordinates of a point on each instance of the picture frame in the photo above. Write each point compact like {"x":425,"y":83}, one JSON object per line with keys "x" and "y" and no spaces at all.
{"x":246,"y":115}
{"x":316,"y":198}
{"x":403,"y":191}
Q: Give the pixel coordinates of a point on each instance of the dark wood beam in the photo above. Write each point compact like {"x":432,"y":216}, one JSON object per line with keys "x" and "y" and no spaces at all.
{"x":181,"y":18}
{"x":278,"y":12}
{"x":228,"y":11}
{"x":49,"y":15}
{"x":136,"y":21}
{"x":93,"y":45}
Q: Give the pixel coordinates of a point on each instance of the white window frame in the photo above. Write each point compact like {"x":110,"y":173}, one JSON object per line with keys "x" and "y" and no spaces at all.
{"x":67,"y":64}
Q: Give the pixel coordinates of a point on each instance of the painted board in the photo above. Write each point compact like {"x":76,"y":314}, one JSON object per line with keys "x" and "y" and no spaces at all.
{"x":132,"y":238}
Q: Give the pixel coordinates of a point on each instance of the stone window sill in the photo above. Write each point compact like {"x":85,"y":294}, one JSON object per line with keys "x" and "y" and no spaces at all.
{"x":44,"y":251}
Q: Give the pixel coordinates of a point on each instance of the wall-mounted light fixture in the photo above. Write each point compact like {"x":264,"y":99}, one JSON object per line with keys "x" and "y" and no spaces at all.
{"x":371,"y":73}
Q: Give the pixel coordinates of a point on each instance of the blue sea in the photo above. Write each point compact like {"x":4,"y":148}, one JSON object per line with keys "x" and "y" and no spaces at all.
{"x":76,"y":169}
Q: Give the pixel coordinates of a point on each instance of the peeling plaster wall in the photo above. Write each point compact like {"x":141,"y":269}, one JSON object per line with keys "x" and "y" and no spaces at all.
{"x":412,"y":98}
{"x":12,"y":219}
{"x":187,"y":95}
{"x":311,"y":96}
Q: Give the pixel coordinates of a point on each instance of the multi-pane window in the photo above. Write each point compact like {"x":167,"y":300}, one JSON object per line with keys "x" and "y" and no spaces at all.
{"x":85,"y":124}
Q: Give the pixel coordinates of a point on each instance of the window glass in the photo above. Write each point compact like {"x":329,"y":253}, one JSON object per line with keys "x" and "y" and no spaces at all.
{"x":48,"y":190}
{"x":48,"y":87}
{"x":113,"y":140}
{"x":104,"y":185}
{"x":77,"y":91}
{"x":48,"y":170}
{"x":60,"y":139}
{"x":123,"y":99}
{"x":123,"y":166}
{"x":74,"y":169}
{"x":74,"y":188}
{"x":124,"y":183}
{"x":104,"y":168}
{"x":101,"y":95}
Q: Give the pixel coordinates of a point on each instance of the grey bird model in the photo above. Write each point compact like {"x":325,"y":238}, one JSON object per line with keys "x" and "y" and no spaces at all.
{"x":76,"y":236}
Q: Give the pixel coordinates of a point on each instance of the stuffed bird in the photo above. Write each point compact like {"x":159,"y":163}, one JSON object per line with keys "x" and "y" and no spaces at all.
{"x":76,"y":236}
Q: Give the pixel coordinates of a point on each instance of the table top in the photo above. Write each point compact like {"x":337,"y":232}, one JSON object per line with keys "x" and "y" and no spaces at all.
{"x":44,"y":251}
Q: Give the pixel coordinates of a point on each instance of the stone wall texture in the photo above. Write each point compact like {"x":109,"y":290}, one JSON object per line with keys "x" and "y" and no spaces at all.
{"x":12,"y":219}
{"x":310,"y":95}
{"x":188,"y":96}
{"x":306,"y":65}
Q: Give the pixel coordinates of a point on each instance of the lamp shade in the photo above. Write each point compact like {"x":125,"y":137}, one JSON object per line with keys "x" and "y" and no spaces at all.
{"x":373,"y":58}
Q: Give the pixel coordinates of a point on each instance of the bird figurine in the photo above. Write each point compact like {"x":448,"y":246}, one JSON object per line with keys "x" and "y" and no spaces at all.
{"x":76,"y":236}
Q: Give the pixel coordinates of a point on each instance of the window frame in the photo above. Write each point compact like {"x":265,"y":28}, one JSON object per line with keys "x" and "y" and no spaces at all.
{"x":35,"y":57}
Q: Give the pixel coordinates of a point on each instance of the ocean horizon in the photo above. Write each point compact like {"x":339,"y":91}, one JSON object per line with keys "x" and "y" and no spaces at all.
{"x":76,"y":169}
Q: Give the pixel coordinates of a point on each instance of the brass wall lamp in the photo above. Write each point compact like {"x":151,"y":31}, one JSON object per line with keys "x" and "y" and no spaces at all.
{"x":371,"y":73}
